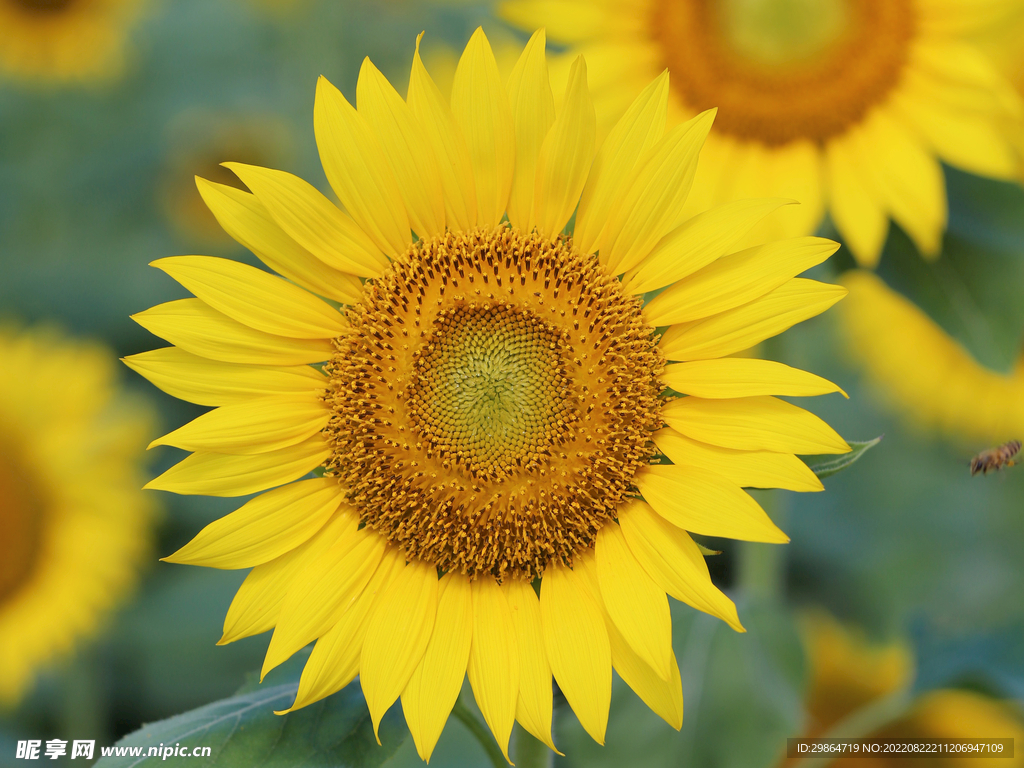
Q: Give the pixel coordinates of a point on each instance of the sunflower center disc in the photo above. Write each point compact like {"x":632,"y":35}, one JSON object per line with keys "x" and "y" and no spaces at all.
{"x":784,"y":70}
{"x":489,"y":388}
{"x":492,"y":402}
{"x":21,"y":512}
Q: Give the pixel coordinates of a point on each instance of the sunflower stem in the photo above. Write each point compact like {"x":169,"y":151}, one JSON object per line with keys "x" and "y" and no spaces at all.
{"x":481,"y":732}
{"x":528,"y":752}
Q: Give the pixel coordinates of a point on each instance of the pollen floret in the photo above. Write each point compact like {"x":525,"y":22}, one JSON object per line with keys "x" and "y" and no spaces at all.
{"x":510,"y":389}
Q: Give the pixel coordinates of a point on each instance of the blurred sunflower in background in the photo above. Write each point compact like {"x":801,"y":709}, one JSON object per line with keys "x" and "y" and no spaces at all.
{"x":75,"y":526}
{"x":922,"y":372}
{"x":849,"y":674}
{"x":847,"y":106}
{"x":492,"y":408}
{"x":64,"y":40}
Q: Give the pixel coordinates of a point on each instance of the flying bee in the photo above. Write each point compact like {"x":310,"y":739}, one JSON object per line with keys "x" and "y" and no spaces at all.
{"x":996,"y":458}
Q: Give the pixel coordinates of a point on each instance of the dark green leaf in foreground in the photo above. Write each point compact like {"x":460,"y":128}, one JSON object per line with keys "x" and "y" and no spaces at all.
{"x":826,"y":466}
{"x":243,"y":731}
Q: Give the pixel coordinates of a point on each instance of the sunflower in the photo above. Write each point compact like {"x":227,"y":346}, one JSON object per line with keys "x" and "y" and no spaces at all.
{"x":64,"y":40}
{"x":849,"y":673}
{"x":845,"y":105}
{"x":491,"y":412}
{"x":923,"y":373}
{"x":75,"y":526}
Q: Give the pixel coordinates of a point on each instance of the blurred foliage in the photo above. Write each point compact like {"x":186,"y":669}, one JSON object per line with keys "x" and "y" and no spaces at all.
{"x":904,"y":542}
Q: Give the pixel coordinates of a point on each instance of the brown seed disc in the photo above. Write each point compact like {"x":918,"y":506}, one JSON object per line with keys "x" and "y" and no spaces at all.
{"x":492,"y":401}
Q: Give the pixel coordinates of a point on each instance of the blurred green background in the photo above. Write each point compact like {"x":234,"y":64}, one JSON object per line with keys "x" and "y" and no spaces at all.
{"x":96,"y":181}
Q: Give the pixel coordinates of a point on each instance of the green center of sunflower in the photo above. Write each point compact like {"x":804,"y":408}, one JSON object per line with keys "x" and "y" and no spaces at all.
{"x":488,"y":388}
{"x":492,"y":402}
{"x":784,"y":70}
{"x":21,"y":516}
{"x":780,"y":33}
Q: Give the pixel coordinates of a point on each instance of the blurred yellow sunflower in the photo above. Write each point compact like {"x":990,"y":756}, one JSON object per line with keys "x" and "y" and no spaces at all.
{"x":845,"y":105}
{"x":64,"y":40}
{"x":492,"y":397}
{"x":923,"y":373}
{"x":75,"y":526}
{"x":848,"y":672}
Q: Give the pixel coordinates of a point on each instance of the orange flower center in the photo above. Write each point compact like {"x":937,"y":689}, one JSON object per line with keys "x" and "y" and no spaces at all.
{"x":492,"y":402}
{"x":784,"y":70}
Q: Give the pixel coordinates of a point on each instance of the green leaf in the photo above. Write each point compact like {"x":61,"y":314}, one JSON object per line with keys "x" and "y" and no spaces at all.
{"x":826,"y":466}
{"x":244,"y":731}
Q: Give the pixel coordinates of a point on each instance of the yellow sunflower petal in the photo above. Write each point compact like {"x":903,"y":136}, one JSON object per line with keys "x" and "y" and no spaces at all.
{"x":494,"y":660}
{"x":970,"y":141}
{"x":198,"y":328}
{"x":248,"y":221}
{"x":254,"y":298}
{"x":737,"y":279}
{"x":910,"y":180}
{"x":217,"y":474}
{"x":753,"y":423}
{"x":357,"y":169}
{"x":434,"y":687}
{"x":636,"y":604}
{"x":664,"y":697}
{"x":731,"y":377}
{"x":697,"y":242}
{"x":445,"y":138}
{"x":397,"y":637}
{"x":795,"y":171}
{"x":634,"y":135}
{"x":651,"y":206}
{"x":672,"y":559}
{"x":922,"y":372}
{"x":256,"y":426}
{"x":408,"y":155}
{"x":533,"y":110}
{"x":534,"y":708}
{"x":257,"y":603}
{"x":748,"y":469}
{"x":702,"y":502}
{"x":741,"y":328}
{"x":264,"y":528}
{"x":577,"y":645}
{"x":481,"y":109}
{"x":855,"y":206}
{"x":326,"y":588}
{"x":313,"y":221}
{"x":334,"y":662}
{"x":211,"y":382}
{"x":566,"y":155}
